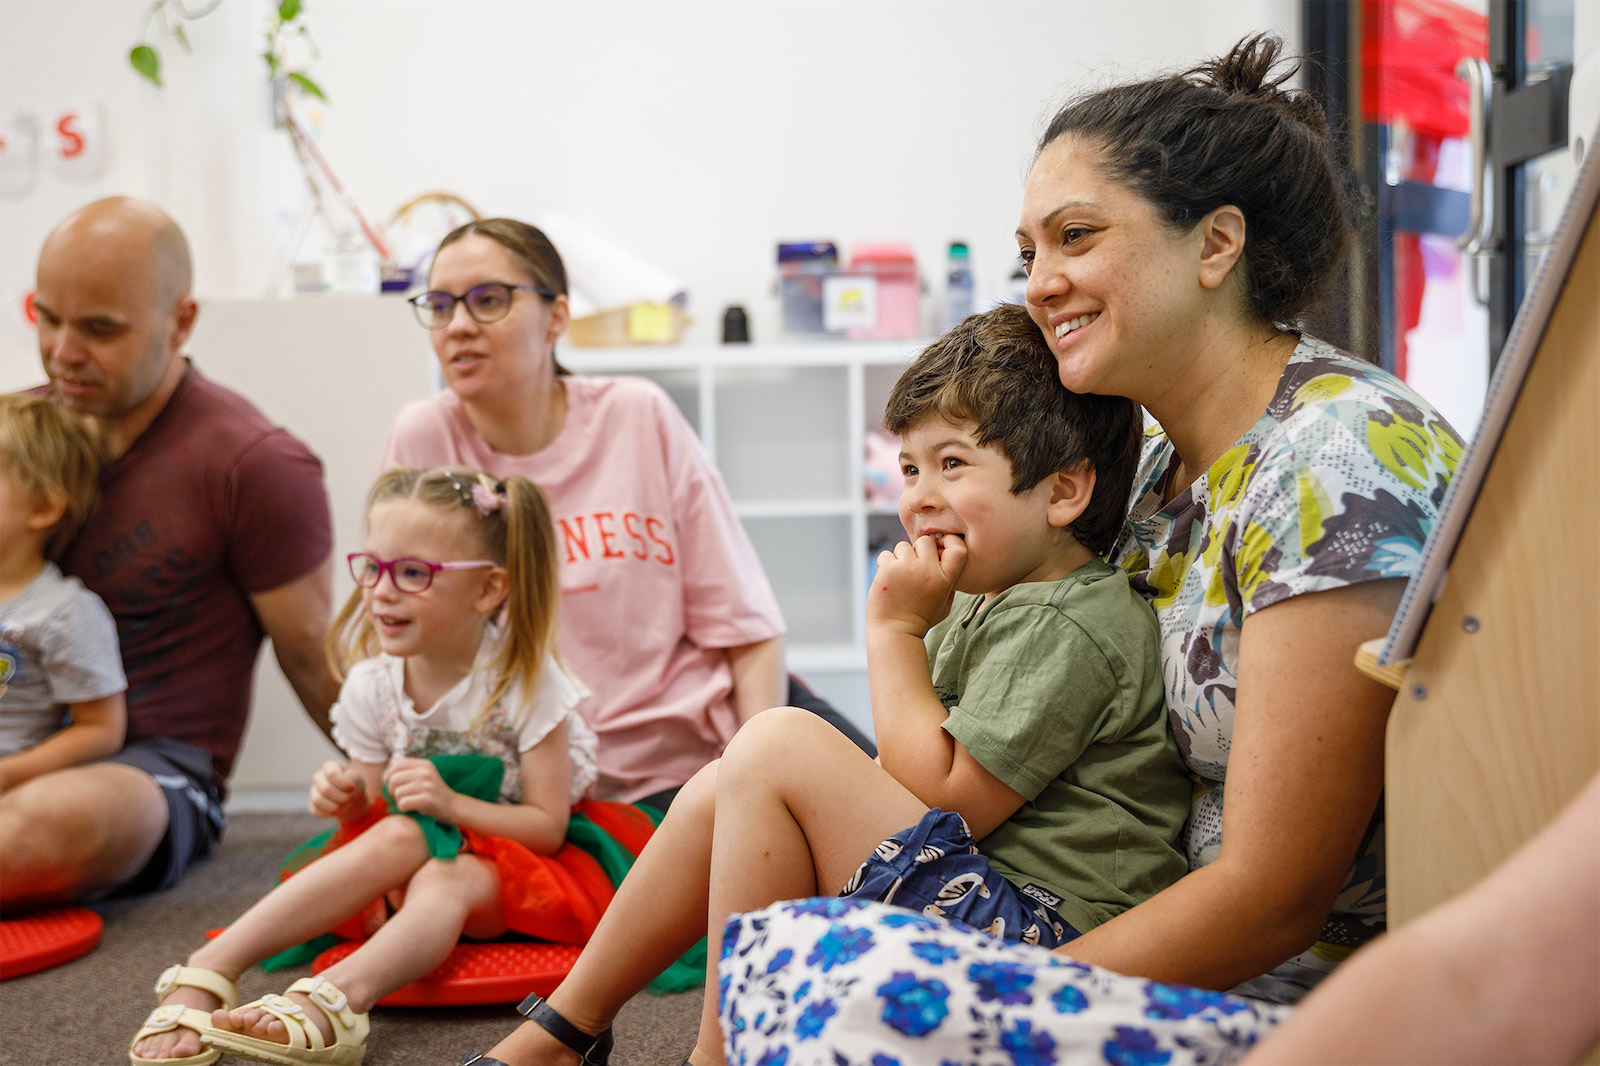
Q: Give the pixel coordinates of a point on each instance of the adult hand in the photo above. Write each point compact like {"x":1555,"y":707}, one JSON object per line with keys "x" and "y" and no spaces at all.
{"x":417,"y":787}
{"x":916,"y":583}
{"x":337,"y":791}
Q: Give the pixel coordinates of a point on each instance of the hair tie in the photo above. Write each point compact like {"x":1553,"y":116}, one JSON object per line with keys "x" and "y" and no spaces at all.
{"x":488,"y":495}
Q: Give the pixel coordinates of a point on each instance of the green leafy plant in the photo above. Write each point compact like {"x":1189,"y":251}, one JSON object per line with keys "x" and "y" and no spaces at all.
{"x":287,"y":40}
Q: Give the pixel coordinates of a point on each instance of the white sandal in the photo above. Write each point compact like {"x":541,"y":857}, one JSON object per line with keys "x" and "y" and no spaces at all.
{"x":305,"y":1043}
{"x":176,"y":1016}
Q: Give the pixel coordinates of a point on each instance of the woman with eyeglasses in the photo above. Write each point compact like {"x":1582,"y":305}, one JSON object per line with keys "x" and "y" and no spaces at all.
{"x":667,"y":615}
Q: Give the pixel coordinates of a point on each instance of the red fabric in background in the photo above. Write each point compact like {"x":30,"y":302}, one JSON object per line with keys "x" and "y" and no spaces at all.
{"x":1409,"y":52}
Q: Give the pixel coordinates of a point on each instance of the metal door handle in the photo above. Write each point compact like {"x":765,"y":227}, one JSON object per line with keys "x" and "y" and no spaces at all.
{"x":1480,"y":221}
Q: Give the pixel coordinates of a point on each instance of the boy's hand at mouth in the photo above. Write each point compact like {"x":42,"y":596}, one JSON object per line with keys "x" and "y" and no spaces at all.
{"x":916,"y":583}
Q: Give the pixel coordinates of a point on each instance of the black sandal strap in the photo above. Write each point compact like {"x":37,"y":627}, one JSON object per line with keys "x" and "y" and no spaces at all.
{"x":478,"y":1058}
{"x":592,"y":1049}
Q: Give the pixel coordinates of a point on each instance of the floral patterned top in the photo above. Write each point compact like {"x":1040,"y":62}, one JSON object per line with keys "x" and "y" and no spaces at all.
{"x":375,"y":720}
{"x":1338,"y":482}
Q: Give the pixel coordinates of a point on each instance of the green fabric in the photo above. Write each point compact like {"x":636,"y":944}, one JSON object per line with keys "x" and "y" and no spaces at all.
{"x":305,"y":853}
{"x":613,"y":858}
{"x":477,"y":776}
{"x":687,"y":973}
{"x":1054,"y":687}
{"x":302,"y":954}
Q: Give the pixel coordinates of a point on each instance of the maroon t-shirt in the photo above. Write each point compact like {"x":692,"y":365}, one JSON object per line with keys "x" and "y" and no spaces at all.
{"x":212,"y":503}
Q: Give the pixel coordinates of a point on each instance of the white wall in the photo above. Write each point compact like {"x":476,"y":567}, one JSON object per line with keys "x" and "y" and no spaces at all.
{"x":697,"y":133}
{"x":369,"y":357}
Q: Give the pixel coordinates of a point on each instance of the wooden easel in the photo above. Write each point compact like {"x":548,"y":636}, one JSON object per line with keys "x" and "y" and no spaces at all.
{"x":1497,"y":721}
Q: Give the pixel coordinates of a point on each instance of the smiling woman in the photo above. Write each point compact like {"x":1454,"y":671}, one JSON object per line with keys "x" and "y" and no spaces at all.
{"x":1173,"y":230}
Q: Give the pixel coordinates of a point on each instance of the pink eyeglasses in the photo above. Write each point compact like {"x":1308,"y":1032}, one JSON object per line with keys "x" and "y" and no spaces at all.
{"x":408,"y":575}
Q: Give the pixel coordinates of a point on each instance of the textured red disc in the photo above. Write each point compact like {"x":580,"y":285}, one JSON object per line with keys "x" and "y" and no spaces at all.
{"x":476,"y":973}
{"x":41,"y":939}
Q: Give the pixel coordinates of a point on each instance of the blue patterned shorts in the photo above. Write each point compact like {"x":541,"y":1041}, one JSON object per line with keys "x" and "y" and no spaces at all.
{"x":935,"y":869}
{"x":826,"y":982}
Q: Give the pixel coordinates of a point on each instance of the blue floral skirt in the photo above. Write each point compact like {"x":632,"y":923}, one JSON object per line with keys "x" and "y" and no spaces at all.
{"x":840,"y":982}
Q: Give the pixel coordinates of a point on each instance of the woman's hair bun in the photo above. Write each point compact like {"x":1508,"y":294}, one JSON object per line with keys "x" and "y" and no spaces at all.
{"x":1247,"y":67}
{"x":1247,"y":70}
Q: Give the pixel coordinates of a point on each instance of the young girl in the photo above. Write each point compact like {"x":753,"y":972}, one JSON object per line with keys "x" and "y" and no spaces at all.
{"x":453,"y":623}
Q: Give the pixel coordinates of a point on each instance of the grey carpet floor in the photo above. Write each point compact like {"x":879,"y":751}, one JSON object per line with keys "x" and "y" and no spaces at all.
{"x":84,"y":1012}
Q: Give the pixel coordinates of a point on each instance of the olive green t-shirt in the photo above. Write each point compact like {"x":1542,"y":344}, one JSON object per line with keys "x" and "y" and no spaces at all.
{"x":1055,"y":688}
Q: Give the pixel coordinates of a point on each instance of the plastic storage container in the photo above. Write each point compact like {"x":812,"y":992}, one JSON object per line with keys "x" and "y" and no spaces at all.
{"x":878,"y":297}
{"x":802,"y":265}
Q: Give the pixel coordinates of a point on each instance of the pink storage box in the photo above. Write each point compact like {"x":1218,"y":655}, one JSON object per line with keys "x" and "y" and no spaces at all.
{"x":899,"y":291}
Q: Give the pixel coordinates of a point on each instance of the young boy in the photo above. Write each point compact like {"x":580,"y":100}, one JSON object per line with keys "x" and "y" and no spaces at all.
{"x":61,"y":681}
{"x":1002,"y":649}
{"x":1016,"y":697}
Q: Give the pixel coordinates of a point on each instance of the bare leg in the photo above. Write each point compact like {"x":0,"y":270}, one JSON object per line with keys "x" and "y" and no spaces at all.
{"x":797,"y":807}
{"x":67,"y":833}
{"x":314,"y":900}
{"x":444,"y":898}
{"x":658,"y":914}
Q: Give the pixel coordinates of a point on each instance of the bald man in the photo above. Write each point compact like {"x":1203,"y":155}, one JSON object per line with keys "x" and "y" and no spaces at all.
{"x":213,"y":531}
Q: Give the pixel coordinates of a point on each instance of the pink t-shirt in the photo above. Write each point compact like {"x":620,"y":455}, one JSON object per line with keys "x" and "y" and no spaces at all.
{"x":657,"y":575}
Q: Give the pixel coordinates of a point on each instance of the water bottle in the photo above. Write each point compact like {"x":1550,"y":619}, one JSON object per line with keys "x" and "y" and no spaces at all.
{"x":1017,"y":287}
{"x":957,"y":287}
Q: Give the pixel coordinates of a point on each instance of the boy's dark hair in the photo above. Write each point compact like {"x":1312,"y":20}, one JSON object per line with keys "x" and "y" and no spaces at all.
{"x":996,"y":371}
{"x":1229,"y":132}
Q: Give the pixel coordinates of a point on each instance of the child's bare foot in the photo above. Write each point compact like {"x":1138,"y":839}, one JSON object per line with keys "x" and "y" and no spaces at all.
{"x":180,"y":1042}
{"x":312,"y":1013}
{"x":184,"y":987}
{"x":251,"y":1020}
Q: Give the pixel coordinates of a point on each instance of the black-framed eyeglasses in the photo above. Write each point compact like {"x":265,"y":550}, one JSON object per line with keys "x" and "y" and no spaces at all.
{"x":408,"y":575}
{"x":486,"y":303}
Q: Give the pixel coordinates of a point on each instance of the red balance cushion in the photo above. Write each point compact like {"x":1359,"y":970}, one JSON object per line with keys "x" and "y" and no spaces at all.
{"x":47,"y":938}
{"x":476,"y":973}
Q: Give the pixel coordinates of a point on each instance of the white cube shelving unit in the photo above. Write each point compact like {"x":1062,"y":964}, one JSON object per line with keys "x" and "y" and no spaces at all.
{"x":786,"y":425}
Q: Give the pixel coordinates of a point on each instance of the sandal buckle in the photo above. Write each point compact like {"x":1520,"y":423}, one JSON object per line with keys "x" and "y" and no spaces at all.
{"x":165,"y":1017}
{"x":283,"y":1003}
{"x":326,"y":996}
{"x":168,"y":979}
